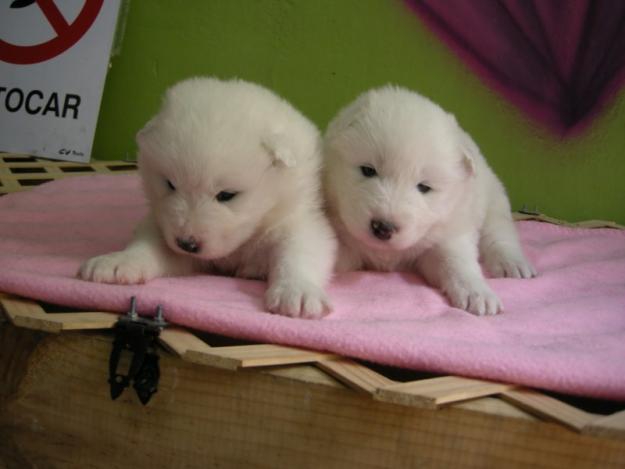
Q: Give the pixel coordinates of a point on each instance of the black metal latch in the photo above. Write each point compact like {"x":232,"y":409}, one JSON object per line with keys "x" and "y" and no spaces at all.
{"x":137,"y":335}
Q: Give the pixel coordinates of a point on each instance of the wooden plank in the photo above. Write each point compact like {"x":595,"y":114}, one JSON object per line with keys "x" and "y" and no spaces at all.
{"x":58,"y":413}
{"x":520,"y":216}
{"x":431,"y":393}
{"x":355,"y":375}
{"x":305,"y":373}
{"x":62,"y":174}
{"x":493,"y":405}
{"x":16,"y":346}
{"x":548,"y":407}
{"x":65,"y":164}
{"x":51,"y":170}
{"x":180,"y":341}
{"x":87,"y":320}
{"x":251,"y":356}
{"x":9,"y":184}
{"x":35,"y":176}
{"x":612,"y":426}
{"x":27,"y":162}
{"x":29,"y":314}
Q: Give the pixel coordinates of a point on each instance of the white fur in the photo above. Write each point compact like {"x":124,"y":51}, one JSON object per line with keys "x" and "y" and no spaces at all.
{"x":410,"y":140}
{"x":212,"y":136}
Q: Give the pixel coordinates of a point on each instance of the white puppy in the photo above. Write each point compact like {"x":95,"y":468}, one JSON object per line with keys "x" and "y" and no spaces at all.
{"x":231,"y":173}
{"x":407,"y":188}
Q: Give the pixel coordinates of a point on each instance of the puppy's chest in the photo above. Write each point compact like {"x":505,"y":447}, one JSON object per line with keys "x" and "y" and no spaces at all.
{"x":392,"y":261}
{"x":249,"y":261}
{"x":388,"y":261}
{"x":354,"y":255}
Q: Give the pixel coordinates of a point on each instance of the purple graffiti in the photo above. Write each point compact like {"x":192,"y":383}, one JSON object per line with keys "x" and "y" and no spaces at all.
{"x":559,"y":61}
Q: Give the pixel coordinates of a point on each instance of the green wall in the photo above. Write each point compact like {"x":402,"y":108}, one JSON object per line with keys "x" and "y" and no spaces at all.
{"x":320,"y":54}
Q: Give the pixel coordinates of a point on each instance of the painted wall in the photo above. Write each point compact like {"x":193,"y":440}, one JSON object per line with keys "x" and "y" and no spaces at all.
{"x":320,"y":54}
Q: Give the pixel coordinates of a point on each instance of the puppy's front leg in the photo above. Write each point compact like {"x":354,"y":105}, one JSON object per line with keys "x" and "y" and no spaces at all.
{"x":301,"y":266}
{"x":146,"y":257}
{"x":453,"y":267}
{"x":500,"y":248}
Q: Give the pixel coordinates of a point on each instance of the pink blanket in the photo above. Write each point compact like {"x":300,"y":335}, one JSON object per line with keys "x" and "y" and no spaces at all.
{"x":563,"y":331}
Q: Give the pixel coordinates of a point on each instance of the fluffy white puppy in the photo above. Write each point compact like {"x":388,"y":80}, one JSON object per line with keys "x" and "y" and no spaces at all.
{"x":407,"y":189}
{"x":231,"y":173}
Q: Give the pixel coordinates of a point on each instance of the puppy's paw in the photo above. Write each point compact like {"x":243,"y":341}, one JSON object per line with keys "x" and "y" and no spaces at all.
{"x":476,"y":298}
{"x":297,"y":300}
{"x":119,"y":267}
{"x":502,"y":263}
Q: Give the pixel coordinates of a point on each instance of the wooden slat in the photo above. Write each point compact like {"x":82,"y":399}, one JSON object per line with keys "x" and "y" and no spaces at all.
{"x":29,"y":314}
{"x":548,"y":407}
{"x":181,"y":341}
{"x":64,"y":164}
{"x":52,"y":170}
{"x":87,"y":320}
{"x":494,"y":405}
{"x":59,"y":174}
{"x":431,"y":393}
{"x":11,"y":182}
{"x":25,"y":161}
{"x":612,"y":426}
{"x":355,"y":375}
{"x":520,"y":216}
{"x":250,"y":356}
{"x":303,"y":372}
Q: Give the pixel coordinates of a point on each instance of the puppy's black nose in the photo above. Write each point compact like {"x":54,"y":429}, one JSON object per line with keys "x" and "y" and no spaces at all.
{"x":188,"y":244}
{"x":382,"y":229}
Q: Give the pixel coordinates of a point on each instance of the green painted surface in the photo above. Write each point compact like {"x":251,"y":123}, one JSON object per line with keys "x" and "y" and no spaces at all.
{"x":320,"y":54}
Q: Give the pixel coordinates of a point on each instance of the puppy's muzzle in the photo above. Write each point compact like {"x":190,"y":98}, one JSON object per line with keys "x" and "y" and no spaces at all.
{"x":189,"y":244}
{"x":382,"y":229}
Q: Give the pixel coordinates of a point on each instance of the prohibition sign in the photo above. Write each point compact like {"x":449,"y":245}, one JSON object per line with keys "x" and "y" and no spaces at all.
{"x":67,"y":34}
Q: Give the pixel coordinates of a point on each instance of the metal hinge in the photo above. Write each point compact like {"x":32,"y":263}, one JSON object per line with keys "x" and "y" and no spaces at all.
{"x":137,"y":335}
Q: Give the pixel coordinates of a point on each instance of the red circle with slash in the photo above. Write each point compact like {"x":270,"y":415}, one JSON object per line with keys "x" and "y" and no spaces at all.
{"x":67,"y":34}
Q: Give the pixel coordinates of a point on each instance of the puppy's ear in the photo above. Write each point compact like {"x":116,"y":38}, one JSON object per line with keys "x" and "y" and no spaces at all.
{"x":279,"y":149}
{"x":468,"y":164}
{"x":354,"y":114}
{"x":470,"y":152}
{"x":144,"y":134}
{"x":468,"y":149}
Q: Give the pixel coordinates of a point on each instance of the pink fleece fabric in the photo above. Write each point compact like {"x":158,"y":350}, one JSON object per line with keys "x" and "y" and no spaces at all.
{"x":562,"y":331}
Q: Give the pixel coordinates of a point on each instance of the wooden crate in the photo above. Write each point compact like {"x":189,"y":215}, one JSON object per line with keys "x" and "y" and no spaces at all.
{"x":22,"y":172}
{"x":225,"y":404}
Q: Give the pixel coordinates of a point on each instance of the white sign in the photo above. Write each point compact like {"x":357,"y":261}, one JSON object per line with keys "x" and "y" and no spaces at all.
{"x":53,"y":60}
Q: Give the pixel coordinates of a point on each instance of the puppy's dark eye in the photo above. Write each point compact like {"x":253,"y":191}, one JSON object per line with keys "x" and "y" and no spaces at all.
{"x":225,"y":196}
{"x":368,"y":171}
{"x":423,"y":188}
{"x":170,"y":185}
